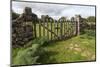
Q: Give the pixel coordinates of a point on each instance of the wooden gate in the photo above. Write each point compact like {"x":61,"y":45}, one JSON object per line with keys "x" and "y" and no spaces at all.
{"x":56,"y":30}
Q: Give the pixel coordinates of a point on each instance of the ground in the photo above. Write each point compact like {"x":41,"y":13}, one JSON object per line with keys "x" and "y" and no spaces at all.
{"x":78,"y":48}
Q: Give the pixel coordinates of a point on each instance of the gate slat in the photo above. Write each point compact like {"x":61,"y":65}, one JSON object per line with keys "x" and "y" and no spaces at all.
{"x":51,"y":29}
{"x":57,"y":28}
{"x":48,"y":28}
{"x":64,"y":28}
{"x":35,"y":29}
{"x":39,"y":28}
{"x":60,"y":30}
{"x":43,"y":28}
{"x":54,"y":29}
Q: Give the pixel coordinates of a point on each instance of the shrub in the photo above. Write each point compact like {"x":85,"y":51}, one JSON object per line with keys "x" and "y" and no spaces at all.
{"x":26,"y":56}
{"x":90,"y":32}
{"x":31,"y":54}
{"x":40,"y":41}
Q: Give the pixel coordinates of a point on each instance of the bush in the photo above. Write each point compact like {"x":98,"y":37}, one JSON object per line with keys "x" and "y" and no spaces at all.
{"x":31,"y":54}
{"x":26,"y":56}
{"x":91,"y":33}
{"x":40,"y":41}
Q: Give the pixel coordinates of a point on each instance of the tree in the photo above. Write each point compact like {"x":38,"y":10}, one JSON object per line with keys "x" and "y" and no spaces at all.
{"x":14,"y":15}
{"x":62,"y":19}
{"x":91,"y":19}
{"x":84,"y":20}
{"x":46,"y":18}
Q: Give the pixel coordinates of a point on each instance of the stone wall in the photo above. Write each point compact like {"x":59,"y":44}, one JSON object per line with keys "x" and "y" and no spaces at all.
{"x":22,"y":28}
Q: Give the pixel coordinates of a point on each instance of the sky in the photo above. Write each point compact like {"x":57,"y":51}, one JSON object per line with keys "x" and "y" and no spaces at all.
{"x":54,"y":10}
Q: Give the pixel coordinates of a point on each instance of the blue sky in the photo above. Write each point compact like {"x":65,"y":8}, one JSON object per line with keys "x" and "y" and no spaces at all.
{"x":54,"y":10}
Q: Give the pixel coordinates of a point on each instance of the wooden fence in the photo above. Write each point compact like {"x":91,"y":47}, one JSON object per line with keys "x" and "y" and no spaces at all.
{"x":55,"y":30}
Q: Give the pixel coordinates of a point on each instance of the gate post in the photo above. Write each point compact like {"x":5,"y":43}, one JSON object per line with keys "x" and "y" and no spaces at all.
{"x":34,"y":29}
{"x":78,"y":20}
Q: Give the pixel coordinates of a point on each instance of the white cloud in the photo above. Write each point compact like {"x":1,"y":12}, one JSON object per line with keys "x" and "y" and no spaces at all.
{"x":54,"y":10}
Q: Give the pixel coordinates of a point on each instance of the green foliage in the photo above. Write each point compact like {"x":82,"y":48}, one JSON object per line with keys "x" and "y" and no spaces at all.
{"x":84,"y":19}
{"x":41,"y":41}
{"x":90,"y":33}
{"x":29,"y":55}
{"x":14,"y":15}
{"x":91,"y":19}
{"x":80,"y":48}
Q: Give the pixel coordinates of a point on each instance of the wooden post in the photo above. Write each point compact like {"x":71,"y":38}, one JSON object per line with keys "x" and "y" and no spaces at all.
{"x":35,"y":29}
{"x":47,"y":21}
{"x":78,"y":19}
{"x":66,"y":28}
{"x":57,"y":28}
{"x":61,"y":28}
{"x":51,"y":21}
{"x":74,"y":25}
{"x":54,"y":28}
{"x":39,"y":28}
{"x":43,"y":27}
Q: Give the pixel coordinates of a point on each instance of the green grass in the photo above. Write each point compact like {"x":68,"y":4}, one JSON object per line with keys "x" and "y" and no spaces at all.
{"x":79,"y":48}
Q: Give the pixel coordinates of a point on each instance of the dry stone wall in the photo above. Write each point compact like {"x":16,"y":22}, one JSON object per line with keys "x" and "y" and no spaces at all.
{"x":22,"y":28}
